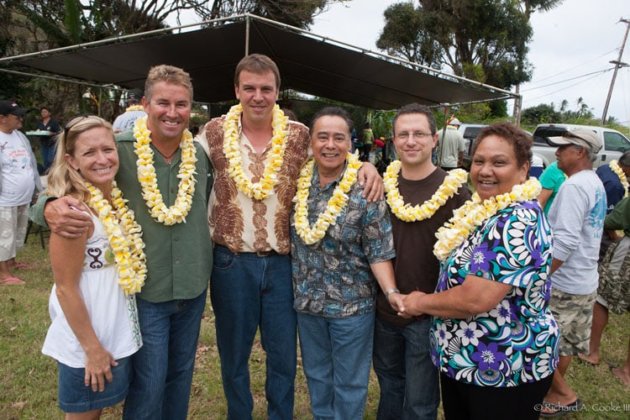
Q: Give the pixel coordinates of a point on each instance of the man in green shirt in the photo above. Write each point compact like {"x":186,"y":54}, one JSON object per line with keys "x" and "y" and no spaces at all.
{"x":178,"y":245}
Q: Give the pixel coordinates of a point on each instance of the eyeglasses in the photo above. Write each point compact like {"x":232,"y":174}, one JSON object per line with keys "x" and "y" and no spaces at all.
{"x":75,"y":121}
{"x":404,"y":135}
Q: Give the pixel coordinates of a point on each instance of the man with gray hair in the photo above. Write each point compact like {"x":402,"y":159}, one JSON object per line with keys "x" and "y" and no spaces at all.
{"x":577,"y":219}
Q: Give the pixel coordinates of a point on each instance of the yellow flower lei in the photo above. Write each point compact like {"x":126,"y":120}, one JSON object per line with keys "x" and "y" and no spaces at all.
{"x":125,"y":237}
{"x":134,"y":108}
{"x":614,"y":166}
{"x":473,"y":213}
{"x":232,"y":150}
{"x":407,"y":213}
{"x":148,"y":181}
{"x":335,"y":205}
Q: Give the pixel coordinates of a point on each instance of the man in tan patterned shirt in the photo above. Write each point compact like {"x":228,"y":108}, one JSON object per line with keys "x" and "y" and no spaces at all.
{"x":257,"y":155}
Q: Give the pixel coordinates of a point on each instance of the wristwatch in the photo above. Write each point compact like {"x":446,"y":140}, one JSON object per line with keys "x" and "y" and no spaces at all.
{"x":391,"y":292}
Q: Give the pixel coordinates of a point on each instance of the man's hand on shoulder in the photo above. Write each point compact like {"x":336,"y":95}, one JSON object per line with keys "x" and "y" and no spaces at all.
{"x":66,"y":217}
{"x":371,"y":181}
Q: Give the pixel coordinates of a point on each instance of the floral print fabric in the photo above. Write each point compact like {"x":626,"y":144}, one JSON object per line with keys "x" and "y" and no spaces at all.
{"x":516,"y":342}
{"x":332,"y":278}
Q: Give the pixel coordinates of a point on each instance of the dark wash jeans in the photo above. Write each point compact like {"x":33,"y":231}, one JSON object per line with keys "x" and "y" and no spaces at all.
{"x":250,"y":292}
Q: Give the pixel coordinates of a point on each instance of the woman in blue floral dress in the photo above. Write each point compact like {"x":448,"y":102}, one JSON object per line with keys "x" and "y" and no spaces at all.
{"x":493,"y":338}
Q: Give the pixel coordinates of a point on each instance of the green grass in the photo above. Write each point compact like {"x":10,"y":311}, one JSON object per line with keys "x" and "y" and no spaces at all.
{"x":28,"y":380}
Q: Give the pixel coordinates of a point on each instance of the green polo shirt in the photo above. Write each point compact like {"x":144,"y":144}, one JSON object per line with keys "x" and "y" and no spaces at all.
{"x":179,"y":257}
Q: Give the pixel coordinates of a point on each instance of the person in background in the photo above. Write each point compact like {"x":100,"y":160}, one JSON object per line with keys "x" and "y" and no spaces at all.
{"x":19,"y":184}
{"x":551,"y":180}
{"x":451,"y":146}
{"x":408,"y":380}
{"x":613,"y":293}
{"x":134,"y":110}
{"x":341,"y":246}
{"x":94,"y":329}
{"x":47,"y":143}
{"x":615,"y":176}
{"x":493,"y":337}
{"x":367,"y":140}
{"x":577,"y":219}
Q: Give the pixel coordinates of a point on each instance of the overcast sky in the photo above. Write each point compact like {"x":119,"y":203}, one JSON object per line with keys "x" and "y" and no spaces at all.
{"x":574,"y":39}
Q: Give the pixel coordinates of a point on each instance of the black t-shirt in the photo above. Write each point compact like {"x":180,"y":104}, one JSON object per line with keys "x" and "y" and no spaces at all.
{"x":415,"y":266}
{"x":53,"y":127}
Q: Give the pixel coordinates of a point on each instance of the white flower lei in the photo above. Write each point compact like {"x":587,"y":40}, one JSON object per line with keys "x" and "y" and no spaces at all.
{"x":134,"y":108}
{"x":124,"y":235}
{"x":614,"y":166}
{"x":148,"y":181}
{"x":473,"y":213}
{"x":232,"y":150}
{"x":335,"y":205}
{"x":407,"y":213}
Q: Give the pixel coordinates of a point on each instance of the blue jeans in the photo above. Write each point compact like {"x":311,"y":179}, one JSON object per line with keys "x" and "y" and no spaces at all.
{"x":48,"y":154}
{"x":336,"y":354}
{"x":407,"y":377}
{"x":248,"y":292}
{"x":163,"y":367}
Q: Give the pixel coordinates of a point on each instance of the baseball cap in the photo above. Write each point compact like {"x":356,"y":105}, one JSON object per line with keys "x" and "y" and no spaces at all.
{"x":578,"y":136}
{"x":10,"y":107}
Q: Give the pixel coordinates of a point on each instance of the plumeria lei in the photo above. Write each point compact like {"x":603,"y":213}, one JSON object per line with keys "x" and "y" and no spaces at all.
{"x":614,"y":166}
{"x":148,"y":181}
{"x":232,"y":150}
{"x":335,"y":205}
{"x":408,"y":213}
{"x":125,"y":237}
{"x":134,"y":108}
{"x":473,"y":213}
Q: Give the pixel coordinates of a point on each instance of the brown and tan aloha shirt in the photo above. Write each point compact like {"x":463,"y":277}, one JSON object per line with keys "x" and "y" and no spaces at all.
{"x":243,"y":224}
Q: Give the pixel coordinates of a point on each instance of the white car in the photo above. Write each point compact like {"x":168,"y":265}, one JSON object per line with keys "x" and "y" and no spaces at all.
{"x":615,"y":143}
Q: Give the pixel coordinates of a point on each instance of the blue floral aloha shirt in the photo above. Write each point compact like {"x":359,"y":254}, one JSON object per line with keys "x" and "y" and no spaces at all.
{"x":516,"y":342}
{"x":332,"y":278}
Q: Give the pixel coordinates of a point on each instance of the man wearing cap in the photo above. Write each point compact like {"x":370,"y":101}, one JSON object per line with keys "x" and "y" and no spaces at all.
{"x":577,"y":219}
{"x":126,"y":120}
{"x":451,"y":146}
{"x":19,"y":181}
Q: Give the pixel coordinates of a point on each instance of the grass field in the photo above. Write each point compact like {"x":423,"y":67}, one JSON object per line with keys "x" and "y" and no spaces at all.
{"x":28,"y":379}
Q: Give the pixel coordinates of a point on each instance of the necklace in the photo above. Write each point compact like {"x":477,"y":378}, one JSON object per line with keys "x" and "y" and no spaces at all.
{"x":614,"y":166}
{"x":134,"y":108}
{"x":474,"y":212}
{"x":148,"y":180}
{"x":335,"y":204}
{"x":232,"y":150}
{"x":407,"y":213}
{"x":124,"y":235}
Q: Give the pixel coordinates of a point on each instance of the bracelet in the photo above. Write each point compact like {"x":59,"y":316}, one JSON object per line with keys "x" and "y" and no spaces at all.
{"x":391,"y":291}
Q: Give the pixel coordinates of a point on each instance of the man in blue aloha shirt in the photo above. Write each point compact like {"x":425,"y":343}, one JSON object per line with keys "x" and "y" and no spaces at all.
{"x":334,"y":277}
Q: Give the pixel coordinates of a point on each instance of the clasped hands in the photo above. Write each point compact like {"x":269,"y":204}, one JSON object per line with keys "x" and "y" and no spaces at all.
{"x":406,"y":305}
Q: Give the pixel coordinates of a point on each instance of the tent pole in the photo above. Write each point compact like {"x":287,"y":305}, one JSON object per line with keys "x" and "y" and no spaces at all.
{"x":441,"y":139}
{"x":247,"y":20}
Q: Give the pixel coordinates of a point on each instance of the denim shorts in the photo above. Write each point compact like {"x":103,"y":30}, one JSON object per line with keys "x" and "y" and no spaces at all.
{"x":75,"y":397}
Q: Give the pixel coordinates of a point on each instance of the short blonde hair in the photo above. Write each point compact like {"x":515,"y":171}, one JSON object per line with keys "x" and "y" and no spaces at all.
{"x":168,"y":74}
{"x":62,"y":178}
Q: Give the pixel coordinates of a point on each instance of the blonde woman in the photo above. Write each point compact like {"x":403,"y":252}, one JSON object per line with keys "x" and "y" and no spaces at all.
{"x":94,"y":326}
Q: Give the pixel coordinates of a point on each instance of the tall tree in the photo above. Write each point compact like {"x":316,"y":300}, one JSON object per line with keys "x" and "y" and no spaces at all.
{"x":298,"y":13}
{"x":479,"y":39}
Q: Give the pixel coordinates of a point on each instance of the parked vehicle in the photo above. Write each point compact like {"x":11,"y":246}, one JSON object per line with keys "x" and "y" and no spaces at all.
{"x":614,"y":142}
{"x":470,"y":133}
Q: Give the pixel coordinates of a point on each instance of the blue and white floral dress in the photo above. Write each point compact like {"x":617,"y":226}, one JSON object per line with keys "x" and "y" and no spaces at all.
{"x":516,"y":342}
